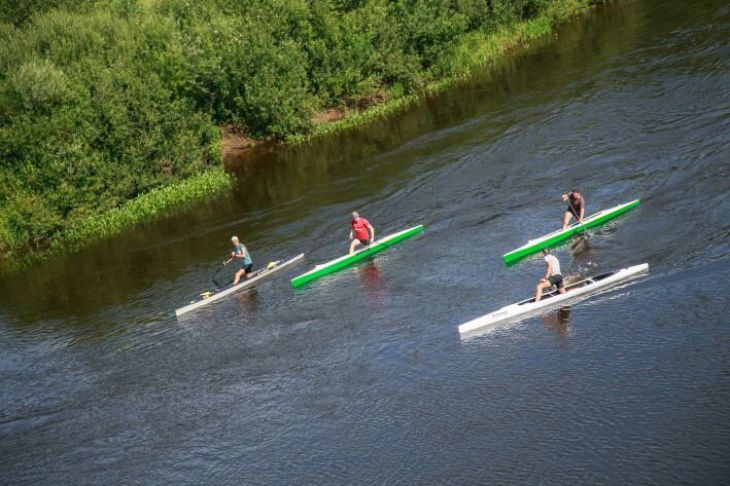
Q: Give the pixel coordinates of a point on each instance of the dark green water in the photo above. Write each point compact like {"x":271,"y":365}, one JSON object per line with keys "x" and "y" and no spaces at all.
{"x":361,"y":377}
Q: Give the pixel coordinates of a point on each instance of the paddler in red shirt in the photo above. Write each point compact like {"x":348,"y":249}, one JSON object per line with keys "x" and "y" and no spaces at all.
{"x":361,"y":232}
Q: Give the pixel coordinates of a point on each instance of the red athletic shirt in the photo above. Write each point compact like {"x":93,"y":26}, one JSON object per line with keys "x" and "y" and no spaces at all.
{"x":360,"y":227}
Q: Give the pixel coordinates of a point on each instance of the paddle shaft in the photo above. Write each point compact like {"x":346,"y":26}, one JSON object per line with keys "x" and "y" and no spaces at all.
{"x":213,"y":278}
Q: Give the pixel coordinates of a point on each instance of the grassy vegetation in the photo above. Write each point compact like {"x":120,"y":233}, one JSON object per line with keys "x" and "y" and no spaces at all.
{"x":105,"y":103}
{"x":155,"y":203}
{"x":473,"y":52}
{"x":151,"y":204}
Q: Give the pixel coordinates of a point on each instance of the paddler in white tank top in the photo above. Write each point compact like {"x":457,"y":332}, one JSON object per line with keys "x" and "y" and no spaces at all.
{"x":552,"y":275}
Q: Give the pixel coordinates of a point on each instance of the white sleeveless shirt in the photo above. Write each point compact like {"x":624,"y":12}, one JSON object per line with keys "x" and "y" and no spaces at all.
{"x":554,"y":265}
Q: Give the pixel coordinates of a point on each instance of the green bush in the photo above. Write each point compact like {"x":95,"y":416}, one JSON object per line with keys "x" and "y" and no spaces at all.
{"x":102,"y":102}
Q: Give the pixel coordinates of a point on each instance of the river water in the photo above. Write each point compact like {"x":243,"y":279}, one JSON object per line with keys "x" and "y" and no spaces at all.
{"x":361,"y":377}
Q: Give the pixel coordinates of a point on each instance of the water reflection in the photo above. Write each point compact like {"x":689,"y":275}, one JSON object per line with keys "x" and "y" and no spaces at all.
{"x":250,"y":300}
{"x":558,"y":322}
{"x":578,"y":245}
{"x":371,"y":279}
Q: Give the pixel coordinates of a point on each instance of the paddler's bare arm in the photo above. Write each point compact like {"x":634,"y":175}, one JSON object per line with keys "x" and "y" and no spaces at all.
{"x":372,"y":233}
{"x":241,"y":255}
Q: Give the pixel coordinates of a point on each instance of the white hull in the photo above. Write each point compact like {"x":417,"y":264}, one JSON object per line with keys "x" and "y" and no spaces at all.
{"x":236,"y":288}
{"x":574,"y":292}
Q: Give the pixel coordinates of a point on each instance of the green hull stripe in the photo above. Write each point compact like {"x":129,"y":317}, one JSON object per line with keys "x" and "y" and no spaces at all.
{"x":589,"y":222}
{"x":355,"y":257}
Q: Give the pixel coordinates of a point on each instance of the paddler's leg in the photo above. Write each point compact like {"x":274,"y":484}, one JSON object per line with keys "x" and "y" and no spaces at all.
{"x":538,"y":290}
{"x":237,"y":276}
{"x":354,"y":244}
{"x":566,"y":219}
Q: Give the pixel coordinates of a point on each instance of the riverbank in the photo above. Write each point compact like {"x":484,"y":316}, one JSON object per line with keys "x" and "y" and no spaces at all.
{"x":474,"y":53}
{"x":153,"y":204}
{"x":148,"y":121}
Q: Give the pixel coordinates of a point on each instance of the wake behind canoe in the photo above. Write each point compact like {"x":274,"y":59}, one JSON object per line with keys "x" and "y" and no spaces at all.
{"x":551,"y":239}
{"x":210,"y":298}
{"x":344,"y":261}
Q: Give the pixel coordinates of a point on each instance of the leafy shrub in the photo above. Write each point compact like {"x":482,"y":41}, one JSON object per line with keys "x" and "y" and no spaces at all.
{"x":102,"y":101}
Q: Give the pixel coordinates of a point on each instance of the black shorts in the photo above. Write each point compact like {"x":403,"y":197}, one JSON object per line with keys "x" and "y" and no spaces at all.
{"x":573,"y":210}
{"x":247,"y":268}
{"x":364,"y":242}
{"x":556,"y":280}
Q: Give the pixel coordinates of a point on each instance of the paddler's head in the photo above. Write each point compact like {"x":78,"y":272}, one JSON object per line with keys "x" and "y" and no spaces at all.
{"x":234,"y":240}
{"x":546,"y":251}
{"x":355,"y":215}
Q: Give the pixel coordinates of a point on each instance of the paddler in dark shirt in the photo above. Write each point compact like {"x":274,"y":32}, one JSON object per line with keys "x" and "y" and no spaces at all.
{"x":576,"y":207}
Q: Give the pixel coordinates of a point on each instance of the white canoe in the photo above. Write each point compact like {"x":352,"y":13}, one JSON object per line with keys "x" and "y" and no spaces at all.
{"x":576,"y":291}
{"x":278,"y":265}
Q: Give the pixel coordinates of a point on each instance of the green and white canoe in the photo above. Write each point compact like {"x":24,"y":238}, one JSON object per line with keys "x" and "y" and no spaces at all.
{"x":342,"y":262}
{"x":597,"y":219}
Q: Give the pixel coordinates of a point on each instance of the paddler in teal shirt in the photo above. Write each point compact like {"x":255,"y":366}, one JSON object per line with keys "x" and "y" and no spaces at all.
{"x":243,"y":258}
